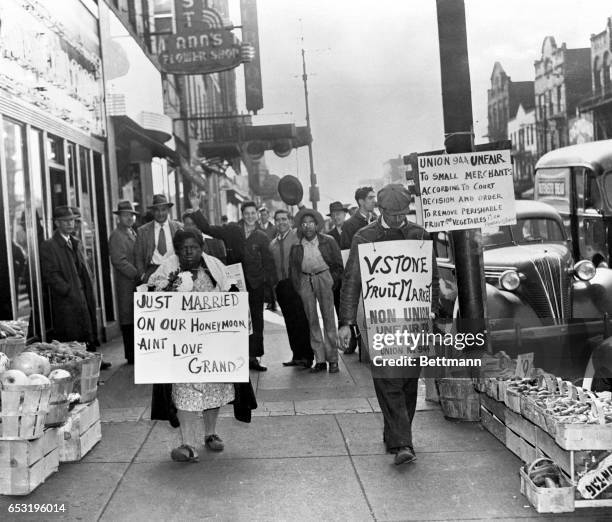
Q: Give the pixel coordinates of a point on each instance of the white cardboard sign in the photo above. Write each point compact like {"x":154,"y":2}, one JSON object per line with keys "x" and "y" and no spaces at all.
{"x":191,"y":337}
{"x":467,"y":190}
{"x":396,"y":281}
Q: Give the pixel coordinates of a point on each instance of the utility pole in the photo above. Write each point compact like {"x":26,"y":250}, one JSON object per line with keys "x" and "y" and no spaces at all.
{"x":314,"y":190}
{"x":458,"y":124}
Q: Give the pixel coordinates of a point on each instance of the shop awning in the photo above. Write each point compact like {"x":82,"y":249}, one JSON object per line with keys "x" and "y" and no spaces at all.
{"x":126,"y":127}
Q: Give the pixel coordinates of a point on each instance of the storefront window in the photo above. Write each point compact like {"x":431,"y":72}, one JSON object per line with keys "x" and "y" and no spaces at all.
{"x":57,"y":171}
{"x":15,"y":177}
{"x":88,"y":229}
{"x":73,"y":199}
{"x":38,"y":186}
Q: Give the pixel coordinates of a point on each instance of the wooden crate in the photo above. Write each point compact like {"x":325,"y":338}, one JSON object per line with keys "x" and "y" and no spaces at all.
{"x":584,"y":436}
{"x":548,"y":500}
{"x":24,"y":408}
{"x":81,"y":432}
{"x":24,"y":465}
{"x":520,"y":447}
{"x":493,"y":425}
{"x":512,"y":399}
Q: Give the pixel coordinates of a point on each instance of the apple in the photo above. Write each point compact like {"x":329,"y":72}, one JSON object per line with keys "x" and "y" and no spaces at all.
{"x":14,"y":377}
{"x":30,"y":362}
{"x":45,"y":366}
{"x":5,"y":362}
{"x":37,"y":378}
{"x":59,"y":374}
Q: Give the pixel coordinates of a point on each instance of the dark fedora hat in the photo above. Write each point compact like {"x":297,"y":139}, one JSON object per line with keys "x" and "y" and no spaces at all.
{"x":160,"y":200}
{"x":335,"y":206}
{"x":64,"y":212}
{"x":309,"y":212}
{"x":125,"y":206}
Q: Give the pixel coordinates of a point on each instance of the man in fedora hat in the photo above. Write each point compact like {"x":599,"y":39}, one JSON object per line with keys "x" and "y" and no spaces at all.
{"x":315,"y":268}
{"x":121,"y":249}
{"x":70,"y":283}
{"x":337,"y":213}
{"x":397,"y":395}
{"x":154,"y":239}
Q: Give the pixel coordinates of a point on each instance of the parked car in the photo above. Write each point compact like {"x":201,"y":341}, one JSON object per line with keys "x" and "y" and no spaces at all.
{"x":538,"y":298}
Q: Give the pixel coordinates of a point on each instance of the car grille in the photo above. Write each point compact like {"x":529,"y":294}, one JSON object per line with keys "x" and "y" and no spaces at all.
{"x":547,"y":288}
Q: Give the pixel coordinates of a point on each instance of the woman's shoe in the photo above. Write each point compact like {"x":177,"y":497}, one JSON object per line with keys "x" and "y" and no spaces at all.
{"x":184,"y":453}
{"x":214,"y":443}
{"x":319,"y":367}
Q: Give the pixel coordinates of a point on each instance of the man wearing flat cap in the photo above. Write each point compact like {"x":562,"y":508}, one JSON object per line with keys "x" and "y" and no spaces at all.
{"x":121,"y":245}
{"x":66,"y":273}
{"x":397,"y":396}
{"x":315,"y":268}
{"x":154,"y":239}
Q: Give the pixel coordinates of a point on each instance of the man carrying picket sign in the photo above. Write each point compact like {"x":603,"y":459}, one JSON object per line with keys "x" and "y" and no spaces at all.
{"x":397,"y":394}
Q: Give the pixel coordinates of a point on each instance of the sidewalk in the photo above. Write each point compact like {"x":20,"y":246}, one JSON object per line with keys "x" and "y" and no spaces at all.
{"x":312,"y":452}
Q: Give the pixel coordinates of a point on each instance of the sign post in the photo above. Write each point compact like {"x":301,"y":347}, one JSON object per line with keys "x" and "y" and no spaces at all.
{"x":458,"y":124}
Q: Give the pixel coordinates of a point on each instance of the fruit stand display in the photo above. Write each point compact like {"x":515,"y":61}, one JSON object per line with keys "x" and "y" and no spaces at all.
{"x":544,"y":416}
{"x":13,"y":337}
{"x":48,"y":411}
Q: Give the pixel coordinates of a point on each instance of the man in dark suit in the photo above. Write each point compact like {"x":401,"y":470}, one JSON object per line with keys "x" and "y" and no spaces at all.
{"x":121,"y":248}
{"x":245,"y":243}
{"x":154,"y":239}
{"x":269,"y":228}
{"x":65,"y":272}
{"x":337,"y":213}
{"x":364,"y":215}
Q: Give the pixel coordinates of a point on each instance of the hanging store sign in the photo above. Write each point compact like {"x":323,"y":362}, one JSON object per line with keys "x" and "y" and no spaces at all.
{"x":201,"y":44}
{"x":468,"y":190}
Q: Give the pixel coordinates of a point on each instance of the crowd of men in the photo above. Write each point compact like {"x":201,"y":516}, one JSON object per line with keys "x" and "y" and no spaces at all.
{"x":296,"y":261}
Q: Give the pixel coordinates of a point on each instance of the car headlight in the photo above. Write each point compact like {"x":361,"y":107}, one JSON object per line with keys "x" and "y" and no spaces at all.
{"x":585,"y":270}
{"x":510,"y":280}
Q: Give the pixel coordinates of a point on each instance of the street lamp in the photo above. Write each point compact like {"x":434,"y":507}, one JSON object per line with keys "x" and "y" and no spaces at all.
{"x":314,"y":190}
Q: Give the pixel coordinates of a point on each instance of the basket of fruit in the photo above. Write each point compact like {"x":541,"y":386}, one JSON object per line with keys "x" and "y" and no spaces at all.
{"x":72,"y":357}
{"x":546,"y":488}
{"x":24,"y":398}
{"x":61,"y":388}
{"x":13,"y":337}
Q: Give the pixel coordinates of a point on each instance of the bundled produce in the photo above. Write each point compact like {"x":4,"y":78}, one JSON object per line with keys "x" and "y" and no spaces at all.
{"x":17,"y":329}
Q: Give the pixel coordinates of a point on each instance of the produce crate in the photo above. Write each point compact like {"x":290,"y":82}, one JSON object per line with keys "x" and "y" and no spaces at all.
{"x":12,"y":346}
{"x":458,"y":399}
{"x":24,"y":465}
{"x":512,"y":399}
{"x":547,"y":500}
{"x":24,"y":408}
{"x":531,"y":411}
{"x":81,"y":432}
{"x":58,"y":402}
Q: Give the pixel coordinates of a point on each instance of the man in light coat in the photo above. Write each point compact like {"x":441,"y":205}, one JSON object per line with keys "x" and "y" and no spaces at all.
{"x":121,"y":248}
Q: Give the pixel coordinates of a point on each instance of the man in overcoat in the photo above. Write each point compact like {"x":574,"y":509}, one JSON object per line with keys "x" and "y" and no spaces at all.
{"x":70,"y":283}
{"x":245,"y":243}
{"x":121,"y":249}
{"x":154,"y":239}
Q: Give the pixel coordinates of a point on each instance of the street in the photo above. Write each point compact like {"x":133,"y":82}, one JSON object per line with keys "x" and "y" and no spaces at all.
{"x":313,"y":451}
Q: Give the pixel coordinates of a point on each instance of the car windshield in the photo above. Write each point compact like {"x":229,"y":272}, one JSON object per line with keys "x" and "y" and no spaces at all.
{"x":528,"y":230}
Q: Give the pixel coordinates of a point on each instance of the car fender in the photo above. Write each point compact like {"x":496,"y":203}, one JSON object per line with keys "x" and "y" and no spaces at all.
{"x":509,"y":308}
{"x":506,"y":309}
{"x":593,"y":298}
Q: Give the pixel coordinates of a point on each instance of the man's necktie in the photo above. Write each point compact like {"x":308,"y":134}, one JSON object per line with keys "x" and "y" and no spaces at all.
{"x":282,"y":258}
{"x":161,"y":242}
